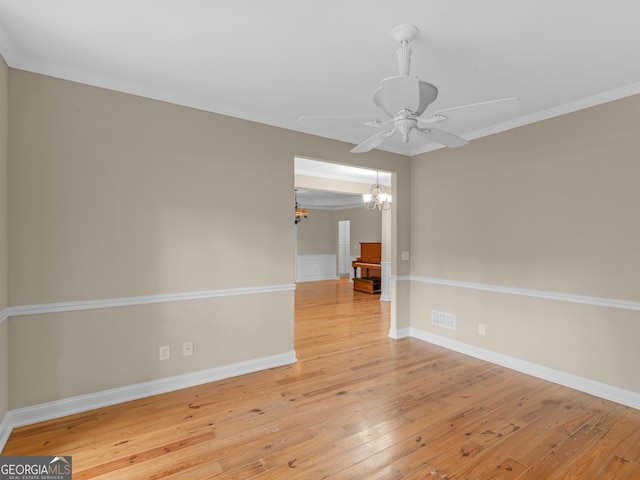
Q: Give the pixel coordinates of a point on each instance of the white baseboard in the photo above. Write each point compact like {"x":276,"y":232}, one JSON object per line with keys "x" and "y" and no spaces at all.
{"x":599,"y":389}
{"x":5,"y":431}
{"x":83,"y":403}
{"x":396,"y":334}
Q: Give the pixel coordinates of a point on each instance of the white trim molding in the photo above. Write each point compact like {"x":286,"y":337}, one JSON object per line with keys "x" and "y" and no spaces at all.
{"x":385,"y":270}
{"x":564,"y":297}
{"x":141,"y":300}
{"x":4,"y":314}
{"x":83,"y":403}
{"x":5,"y":430}
{"x":397,"y":334}
{"x":592,"y":387}
{"x":609,"y":96}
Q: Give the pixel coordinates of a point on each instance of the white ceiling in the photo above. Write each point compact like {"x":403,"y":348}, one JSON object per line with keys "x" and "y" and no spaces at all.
{"x":273,"y":61}
{"x":336,"y":171}
{"x":325,"y":200}
{"x":321,"y":200}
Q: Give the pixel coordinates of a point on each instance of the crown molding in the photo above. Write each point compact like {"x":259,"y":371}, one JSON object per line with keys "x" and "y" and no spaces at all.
{"x":571,"y":107}
{"x":191,"y":101}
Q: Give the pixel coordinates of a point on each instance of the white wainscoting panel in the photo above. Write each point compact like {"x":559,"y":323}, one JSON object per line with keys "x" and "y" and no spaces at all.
{"x":310,"y":268}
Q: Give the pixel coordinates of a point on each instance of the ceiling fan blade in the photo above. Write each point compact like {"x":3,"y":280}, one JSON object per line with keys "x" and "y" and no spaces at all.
{"x":373,"y":141}
{"x":404,"y":93}
{"x":476,"y":111}
{"x":443,"y":138}
{"x":343,"y":122}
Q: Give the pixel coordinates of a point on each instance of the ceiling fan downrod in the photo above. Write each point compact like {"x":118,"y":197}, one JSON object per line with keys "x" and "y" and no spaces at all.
{"x":404,"y":34}
{"x":404,"y":58}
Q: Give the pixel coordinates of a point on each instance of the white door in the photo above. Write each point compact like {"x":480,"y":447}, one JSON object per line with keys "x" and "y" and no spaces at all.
{"x":344,"y":242}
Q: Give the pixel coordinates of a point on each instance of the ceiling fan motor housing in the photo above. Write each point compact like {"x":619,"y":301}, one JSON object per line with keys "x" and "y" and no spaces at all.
{"x":404,"y":93}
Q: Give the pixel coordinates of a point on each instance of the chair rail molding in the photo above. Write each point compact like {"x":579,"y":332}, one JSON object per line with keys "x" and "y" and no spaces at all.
{"x":139,"y":300}
{"x":560,"y":296}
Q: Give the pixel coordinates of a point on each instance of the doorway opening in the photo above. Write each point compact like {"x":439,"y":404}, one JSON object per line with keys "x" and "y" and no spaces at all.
{"x":344,"y":248}
{"x":339,"y":222}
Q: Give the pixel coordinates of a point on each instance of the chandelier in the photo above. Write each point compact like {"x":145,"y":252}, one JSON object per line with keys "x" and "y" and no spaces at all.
{"x":378,"y":198}
{"x":300,"y":212}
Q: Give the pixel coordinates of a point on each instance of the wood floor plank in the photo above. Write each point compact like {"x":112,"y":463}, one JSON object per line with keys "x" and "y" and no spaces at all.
{"x":564,"y":455}
{"x":630,"y":449}
{"x":591,"y":461}
{"x":619,"y":468}
{"x":546,"y":414}
{"x":356,"y":405}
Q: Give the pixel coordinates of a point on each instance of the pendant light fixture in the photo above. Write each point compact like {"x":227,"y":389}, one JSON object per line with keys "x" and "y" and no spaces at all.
{"x":378,"y":198}
{"x":301,"y":213}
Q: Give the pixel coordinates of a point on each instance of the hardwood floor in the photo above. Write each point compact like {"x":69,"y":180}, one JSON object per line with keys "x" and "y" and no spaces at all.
{"x":357,"y":405}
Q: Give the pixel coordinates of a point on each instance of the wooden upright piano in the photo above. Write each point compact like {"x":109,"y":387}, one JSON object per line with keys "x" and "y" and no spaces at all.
{"x":370,"y":270}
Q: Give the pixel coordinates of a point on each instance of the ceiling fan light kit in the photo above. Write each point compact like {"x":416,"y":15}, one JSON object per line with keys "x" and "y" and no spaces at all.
{"x":404,"y":98}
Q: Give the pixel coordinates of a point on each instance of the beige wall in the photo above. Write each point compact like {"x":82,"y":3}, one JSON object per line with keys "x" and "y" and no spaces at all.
{"x":366,"y":226}
{"x":4,"y":288}
{"x":76,"y":353}
{"x":552,"y":206}
{"x":319,"y":234}
{"x":316,"y":234}
{"x":113,"y":195}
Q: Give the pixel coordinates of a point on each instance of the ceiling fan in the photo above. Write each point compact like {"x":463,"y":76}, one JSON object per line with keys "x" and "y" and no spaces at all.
{"x":405,"y":98}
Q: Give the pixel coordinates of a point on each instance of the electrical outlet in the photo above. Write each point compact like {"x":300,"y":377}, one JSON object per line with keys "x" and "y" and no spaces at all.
{"x":187,"y":349}
{"x":165,"y":352}
{"x":481,"y":329}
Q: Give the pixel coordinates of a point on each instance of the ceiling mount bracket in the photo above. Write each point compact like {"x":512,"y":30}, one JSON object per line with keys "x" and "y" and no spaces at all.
{"x":404,"y":33}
